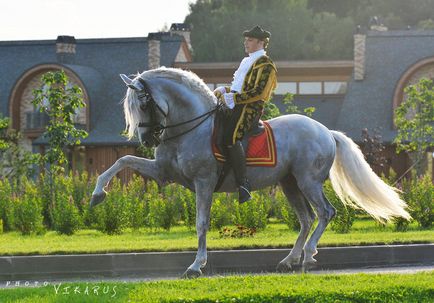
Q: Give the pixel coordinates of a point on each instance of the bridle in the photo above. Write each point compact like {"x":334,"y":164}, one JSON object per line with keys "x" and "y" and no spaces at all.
{"x":156,"y":127}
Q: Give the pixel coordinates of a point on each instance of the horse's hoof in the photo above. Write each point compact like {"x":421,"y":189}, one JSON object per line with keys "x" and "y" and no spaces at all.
{"x":191,"y":274}
{"x":308,"y":266}
{"x":284,"y":267}
{"x":97,"y":199}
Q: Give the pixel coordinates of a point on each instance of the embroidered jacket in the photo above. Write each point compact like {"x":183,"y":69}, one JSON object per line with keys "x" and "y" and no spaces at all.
{"x":259,"y":83}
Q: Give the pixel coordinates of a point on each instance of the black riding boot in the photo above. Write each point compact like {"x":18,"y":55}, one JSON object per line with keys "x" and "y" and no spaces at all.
{"x":238,"y":162}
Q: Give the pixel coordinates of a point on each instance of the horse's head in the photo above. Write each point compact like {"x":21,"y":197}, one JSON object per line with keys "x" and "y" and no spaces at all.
{"x":142,"y":113}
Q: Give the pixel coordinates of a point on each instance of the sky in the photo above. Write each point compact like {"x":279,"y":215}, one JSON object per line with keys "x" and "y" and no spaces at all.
{"x":47,"y":19}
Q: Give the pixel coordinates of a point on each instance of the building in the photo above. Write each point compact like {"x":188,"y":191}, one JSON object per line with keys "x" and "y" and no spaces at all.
{"x":348,"y":95}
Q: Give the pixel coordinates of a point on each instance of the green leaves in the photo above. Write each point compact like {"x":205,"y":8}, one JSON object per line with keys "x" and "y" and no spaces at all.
{"x":414,"y":119}
{"x":60,"y":101}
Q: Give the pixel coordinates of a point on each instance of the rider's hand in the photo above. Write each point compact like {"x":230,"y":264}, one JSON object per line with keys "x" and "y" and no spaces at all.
{"x":228,"y":99}
{"x":219,"y":91}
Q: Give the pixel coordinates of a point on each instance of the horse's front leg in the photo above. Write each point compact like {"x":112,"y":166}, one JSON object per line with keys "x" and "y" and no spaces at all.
{"x":203,"y":207}
{"x":146,"y":167}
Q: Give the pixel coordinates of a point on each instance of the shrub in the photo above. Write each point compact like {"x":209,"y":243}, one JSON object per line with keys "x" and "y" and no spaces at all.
{"x":81,"y":189}
{"x":419,"y":194}
{"x":138,"y":207}
{"x":220,"y":213}
{"x":28,"y":210}
{"x":111,"y":216}
{"x":6,"y":206}
{"x":287,"y":213}
{"x":253,"y":214}
{"x":189,"y":209}
{"x":344,"y":219}
{"x":162,"y":211}
{"x":66,"y":217}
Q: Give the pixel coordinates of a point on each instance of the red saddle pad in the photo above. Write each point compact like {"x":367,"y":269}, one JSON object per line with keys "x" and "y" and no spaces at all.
{"x":261,"y":150}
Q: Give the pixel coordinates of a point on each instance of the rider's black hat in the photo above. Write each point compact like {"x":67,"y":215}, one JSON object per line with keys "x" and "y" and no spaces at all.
{"x":257,"y":32}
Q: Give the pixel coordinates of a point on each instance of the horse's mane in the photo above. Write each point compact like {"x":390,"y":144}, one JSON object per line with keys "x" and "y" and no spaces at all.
{"x":186,"y":78}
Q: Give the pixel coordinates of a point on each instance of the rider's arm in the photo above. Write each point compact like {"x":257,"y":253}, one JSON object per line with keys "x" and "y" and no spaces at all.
{"x":264,"y":86}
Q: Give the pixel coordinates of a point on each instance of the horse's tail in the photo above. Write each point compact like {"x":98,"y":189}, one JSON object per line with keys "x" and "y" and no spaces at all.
{"x":358,"y":186}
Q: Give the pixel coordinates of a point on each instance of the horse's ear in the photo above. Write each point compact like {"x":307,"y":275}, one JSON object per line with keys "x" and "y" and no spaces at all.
{"x":131,"y":83}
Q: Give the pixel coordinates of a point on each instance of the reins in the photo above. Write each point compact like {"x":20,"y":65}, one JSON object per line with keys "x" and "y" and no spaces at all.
{"x":157,"y":127}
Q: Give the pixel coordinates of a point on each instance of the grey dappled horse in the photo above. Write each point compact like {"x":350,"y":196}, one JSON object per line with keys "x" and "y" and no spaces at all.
{"x":307,"y":153}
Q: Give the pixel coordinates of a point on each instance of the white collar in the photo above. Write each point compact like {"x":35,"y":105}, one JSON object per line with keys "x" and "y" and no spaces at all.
{"x":257,"y":54}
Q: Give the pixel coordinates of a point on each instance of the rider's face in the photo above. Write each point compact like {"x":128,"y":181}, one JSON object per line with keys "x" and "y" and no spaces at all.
{"x":252,"y":45}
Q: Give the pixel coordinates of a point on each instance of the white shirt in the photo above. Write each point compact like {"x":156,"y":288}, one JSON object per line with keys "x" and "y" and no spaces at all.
{"x":241,"y":72}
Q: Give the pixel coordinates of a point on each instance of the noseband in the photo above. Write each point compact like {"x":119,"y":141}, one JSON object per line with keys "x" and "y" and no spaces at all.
{"x":156,"y":126}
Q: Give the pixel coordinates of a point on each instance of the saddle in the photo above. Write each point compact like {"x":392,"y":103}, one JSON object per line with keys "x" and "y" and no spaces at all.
{"x":219,"y":130}
{"x":258,"y":144}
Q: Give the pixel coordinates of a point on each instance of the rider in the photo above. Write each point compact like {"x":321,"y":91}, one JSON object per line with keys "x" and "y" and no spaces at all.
{"x":253,"y":83}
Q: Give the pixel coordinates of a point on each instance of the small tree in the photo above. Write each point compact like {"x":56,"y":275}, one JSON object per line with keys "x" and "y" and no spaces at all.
{"x":414,"y":119}
{"x":60,"y":101}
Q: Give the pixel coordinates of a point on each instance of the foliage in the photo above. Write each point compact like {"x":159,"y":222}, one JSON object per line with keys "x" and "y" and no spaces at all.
{"x":270,"y":111}
{"x":373,"y":148}
{"x":6,"y":205}
{"x":16,"y":161}
{"x":27,"y":210}
{"x":294,"y":35}
{"x":66,"y":216}
{"x":291,"y":108}
{"x":238,"y":232}
{"x":419,"y":194}
{"x":220,"y":212}
{"x":138,"y":206}
{"x":345,"y":215}
{"x":60,"y":101}
{"x":414,"y":119}
{"x":111,"y":216}
{"x":254,"y":213}
{"x":162,"y":211}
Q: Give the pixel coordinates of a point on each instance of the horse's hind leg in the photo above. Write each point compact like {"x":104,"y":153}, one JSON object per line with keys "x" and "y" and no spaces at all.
{"x":313,"y":191}
{"x":304,"y":214}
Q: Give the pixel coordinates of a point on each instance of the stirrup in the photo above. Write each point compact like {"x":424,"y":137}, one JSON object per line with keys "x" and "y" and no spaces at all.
{"x":244,"y":194}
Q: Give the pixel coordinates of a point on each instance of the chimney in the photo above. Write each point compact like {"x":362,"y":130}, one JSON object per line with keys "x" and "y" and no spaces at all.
{"x":154,"y":50}
{"x":181,"y":29}
{"x":359,"y":56}
{"x":65,"y":49}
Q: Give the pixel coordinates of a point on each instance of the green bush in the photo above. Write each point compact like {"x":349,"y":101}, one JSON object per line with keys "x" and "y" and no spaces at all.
{"x":189,"y":209}
{"x":138,"y":207}
{"x":287,"y":213}
{"x":419,"y":194}
{"x":6,"y":205}
{"x":254,"y":213}
{"x":162,"y":210}
{"x":66,"y":217}
{"x":28,"y":210}
{"x":220,"y":212}
{"x":111,"y":216}
{"x":81,"y":189}
{"x":344,"y":219}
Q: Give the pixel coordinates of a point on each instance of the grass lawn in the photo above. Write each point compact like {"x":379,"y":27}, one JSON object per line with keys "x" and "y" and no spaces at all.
{"x":364,"y":232}
{"x":389,"y":288}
